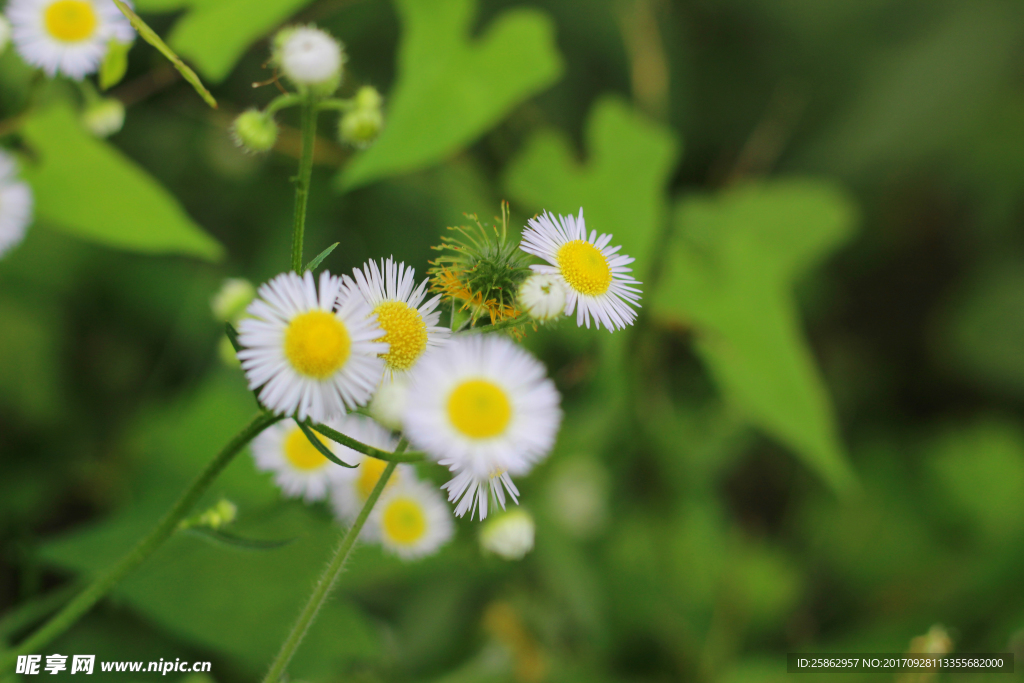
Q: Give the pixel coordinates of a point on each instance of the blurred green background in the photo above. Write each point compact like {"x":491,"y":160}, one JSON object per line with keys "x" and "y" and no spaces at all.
{"x":811,"y":440}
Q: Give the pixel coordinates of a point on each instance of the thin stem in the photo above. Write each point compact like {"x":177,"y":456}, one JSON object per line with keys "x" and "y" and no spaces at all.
{"x":336,"y":104}
{"x":283,"y":101}
{"x":102,"y":585}
{"x":302,"y":182}
{"x":328,"y":579}
{"x":398,"y":456}
{"x":500,"y":325}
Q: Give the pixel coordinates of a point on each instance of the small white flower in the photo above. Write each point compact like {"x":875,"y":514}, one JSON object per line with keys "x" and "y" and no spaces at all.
{"x":409,"y":324}
{"x":15,"y":204}
{"x":300,"y":470}
{"x":410,"y":520}
{"x":509,"y":535}
{"x":309,"y":56}
{"x":5,"y":33}
{"x":542,"y":296}
{"x":484,"y":408}
{"x":353,"y":486}
{"x":66,"y":36}
{"x":104,"y":118}
{"x":303,"y":355}
{"x":596,"y":277}
{"x":388,"y":405}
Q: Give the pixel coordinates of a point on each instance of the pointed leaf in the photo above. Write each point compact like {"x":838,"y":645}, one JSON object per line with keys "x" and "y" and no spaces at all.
{"x":312,"y":265}
{"x":88,"y":188}
{"x":232,"y":541}
{"x":451,"y":87}
{"x":115,"y":64}
{"x":730,"y":275}
{"x":324,"y":450}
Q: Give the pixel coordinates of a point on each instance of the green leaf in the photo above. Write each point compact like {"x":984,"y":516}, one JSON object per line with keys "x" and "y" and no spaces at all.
{"x":731,"y":270}
{"x":315,"y":263}
{"x":196,"y":590}
{"x":452,"y":88}
{"x":324,"y":450}
{"x":88,"y":188}
{"x":215,"y":34}
{"x":232,"y":335}
{"x":620,"y":187}
{"x":115,"y":64}
{"x":232,"y":541}
{"x":148,"y":35}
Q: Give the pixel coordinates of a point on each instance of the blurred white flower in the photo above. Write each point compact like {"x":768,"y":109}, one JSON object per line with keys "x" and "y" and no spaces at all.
{"x":509,"y":535}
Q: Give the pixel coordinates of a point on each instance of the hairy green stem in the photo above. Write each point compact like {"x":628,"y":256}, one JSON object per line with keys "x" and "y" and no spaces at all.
{"x":360,"y":447}
{"x":302,"y":182}
{"x":328,"y":578}
{"x":167,"y":525}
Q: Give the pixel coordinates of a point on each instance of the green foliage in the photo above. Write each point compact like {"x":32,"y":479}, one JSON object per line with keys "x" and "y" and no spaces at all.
{"x":88,"y":188}
{"x":730,"y":274}
{"x":620,"y":187}
{"x":451,"y":88}
{"x":114,"y":65}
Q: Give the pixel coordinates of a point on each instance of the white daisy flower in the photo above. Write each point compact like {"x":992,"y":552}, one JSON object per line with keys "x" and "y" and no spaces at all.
{"x":410,"y":520}
{"x":309,"y":56}
{"x":484,"y":408}
{"x":542,"y":296}
{"x":67,"y":36}
{"x":309,"y":358}
{"x":353,"y":486}
{"x":596,"y":277}
{"x":15,"y":204}
{"x":300,"y":470}
{"x":409,"y":324}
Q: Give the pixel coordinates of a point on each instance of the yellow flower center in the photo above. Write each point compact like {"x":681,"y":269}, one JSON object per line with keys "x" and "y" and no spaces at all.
{"x":584,"y":267}
{"x":404,"y":521}
{"x":406,"y":332}
{"x":317,"y":344}
{"x":301,"y":453}
{"x":369,"y":473}
{"x":479,"y":409}
{"x":70,"y":21}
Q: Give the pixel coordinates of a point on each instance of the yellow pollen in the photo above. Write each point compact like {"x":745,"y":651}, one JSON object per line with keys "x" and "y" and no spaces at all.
{"x":479,"y":409}
{"x":301,"y":453}
{"x":369,"y":472}
{"x":584,"y":267}
{"x":404,"y":521}
{"x":317,"y":344}
{"x":70,"y":21}
{"x":406,"y":332}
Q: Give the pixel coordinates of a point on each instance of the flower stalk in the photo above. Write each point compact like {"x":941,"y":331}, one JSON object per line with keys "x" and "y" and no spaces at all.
{"x":146,"y":546}
{"x":302,"y":181}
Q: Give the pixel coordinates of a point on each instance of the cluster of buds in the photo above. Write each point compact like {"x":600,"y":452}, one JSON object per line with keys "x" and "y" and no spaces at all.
{"x":484,"y":274}
{"x":313,"y":62}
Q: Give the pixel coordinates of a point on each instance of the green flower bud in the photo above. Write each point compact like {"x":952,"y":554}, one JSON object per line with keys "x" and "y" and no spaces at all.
{"x":509,"y":535}
{"x":221,"y":514}
{"x":231,"y":299}
{"x":254,"y":131}
{"x":103,"y":117}
{"x":361,"y":125}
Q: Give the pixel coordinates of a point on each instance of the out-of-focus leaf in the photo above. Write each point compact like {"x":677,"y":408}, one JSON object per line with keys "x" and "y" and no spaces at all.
{"x":29,"y":380}
{"x":88,"y":188}
{"x":114,"y":64}
{"x":620,"y":187}
{"x":980,"y":469}
{"x":150,"y":36}
{"x":452,"y":88}
{"x":730,"y":274}
{"x":215,"y":34}
{"x":981,"y":333}
{"x":919,"y":95}
{"x":200,"y":592}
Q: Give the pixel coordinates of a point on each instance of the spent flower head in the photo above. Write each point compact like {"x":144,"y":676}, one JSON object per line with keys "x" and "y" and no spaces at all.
{"x":480,"y":270}
{"x":510,"y":535}
{"x":309,"y":58}
{"x":542,"y":297}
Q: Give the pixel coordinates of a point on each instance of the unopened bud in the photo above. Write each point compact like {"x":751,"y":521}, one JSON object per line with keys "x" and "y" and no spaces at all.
{"x":309,"y":57}
{"x":361,"y":125}
{"x":221,"y":514}
{"x":388,"y":404}
{"x":509,"y":535}
{"x":104,"y":117}
{"x":231,"y":299}
{"x":254,"y":131}
{"x":542,"y":297}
